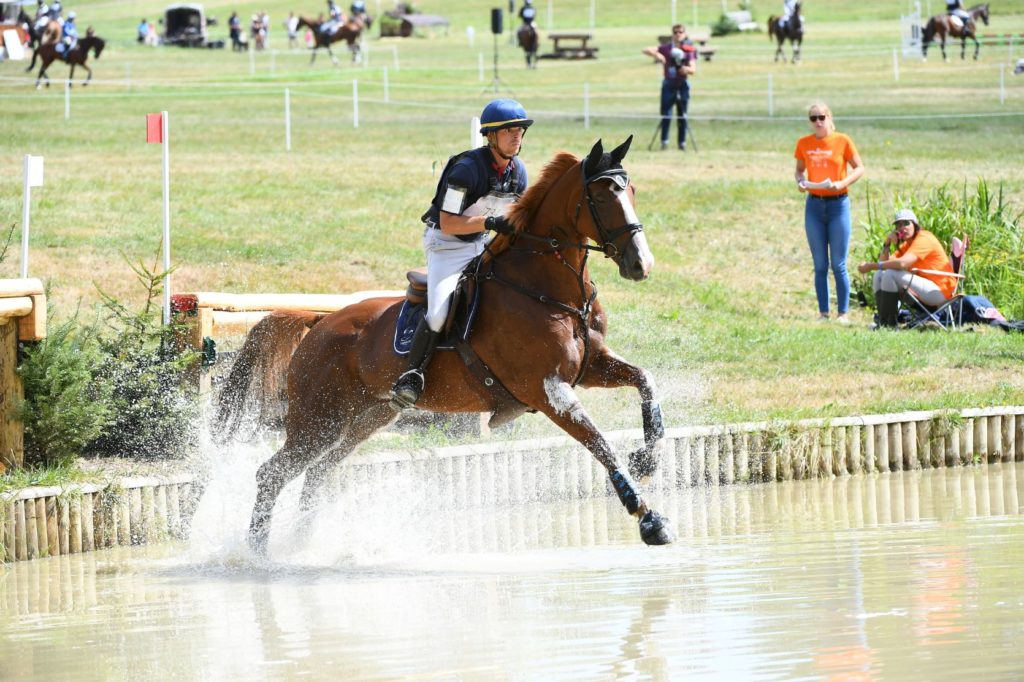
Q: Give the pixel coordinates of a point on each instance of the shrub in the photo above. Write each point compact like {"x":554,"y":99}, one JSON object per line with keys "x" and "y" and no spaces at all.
{"x":724,"y":26}
{"x":994,"y":266}
{"x":115,"y":387}
{"x":154,"y":411}
{"x":64,"y":407}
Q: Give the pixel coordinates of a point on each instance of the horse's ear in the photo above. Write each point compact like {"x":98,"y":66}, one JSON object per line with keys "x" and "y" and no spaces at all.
{"x":619,"y":153}
{"x":593,"y":159}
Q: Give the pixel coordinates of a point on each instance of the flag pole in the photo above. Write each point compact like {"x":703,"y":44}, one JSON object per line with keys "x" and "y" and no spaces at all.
{"x":25,"y":218}
{"x":167,"y":217}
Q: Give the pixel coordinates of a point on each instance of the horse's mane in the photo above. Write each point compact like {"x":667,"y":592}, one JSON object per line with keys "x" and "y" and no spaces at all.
{"x":522,"y":212}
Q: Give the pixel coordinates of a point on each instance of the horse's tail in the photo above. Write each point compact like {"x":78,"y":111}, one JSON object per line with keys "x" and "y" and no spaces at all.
{"x":254,"y":394}
{"x":772,"y":20}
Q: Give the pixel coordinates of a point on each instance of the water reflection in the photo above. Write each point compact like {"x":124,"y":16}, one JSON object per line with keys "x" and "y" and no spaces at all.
{"x":911,"y":575}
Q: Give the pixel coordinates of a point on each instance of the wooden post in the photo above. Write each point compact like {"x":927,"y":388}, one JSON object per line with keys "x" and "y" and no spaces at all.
{"x":88,"y":528}
{"x":10,"y":542}
{"x":12,"y":435}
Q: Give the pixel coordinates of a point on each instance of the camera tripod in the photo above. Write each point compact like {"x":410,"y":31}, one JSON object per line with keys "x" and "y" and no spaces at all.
{"x":690,"y":137}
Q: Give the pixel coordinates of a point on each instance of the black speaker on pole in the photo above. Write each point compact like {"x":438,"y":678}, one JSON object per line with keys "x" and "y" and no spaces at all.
{"x":496,"y":23}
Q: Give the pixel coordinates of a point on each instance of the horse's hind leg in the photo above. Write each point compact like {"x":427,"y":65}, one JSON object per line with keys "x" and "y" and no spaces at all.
{"x":302,"y":446}
{"x":607,"y":370}
{"x":565,"y":410}
{"x":71,"y":76}
{"x":362,"y":427}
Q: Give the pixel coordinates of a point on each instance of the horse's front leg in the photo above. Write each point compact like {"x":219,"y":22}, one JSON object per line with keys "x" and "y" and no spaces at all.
{"x":334,"y":60}
{"x":977,"y":46}
{"x":563,"y":407}
{"x":608,"y":370}
{"x":89,"y":77}
{"x":963,"y":46}
{"x":71,"y":76}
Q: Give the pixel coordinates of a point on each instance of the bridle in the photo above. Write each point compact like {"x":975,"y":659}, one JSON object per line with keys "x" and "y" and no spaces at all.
{"x":554,"y":246}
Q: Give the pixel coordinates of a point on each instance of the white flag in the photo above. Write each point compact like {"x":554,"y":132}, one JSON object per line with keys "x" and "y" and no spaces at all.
{"x":34,"y":170}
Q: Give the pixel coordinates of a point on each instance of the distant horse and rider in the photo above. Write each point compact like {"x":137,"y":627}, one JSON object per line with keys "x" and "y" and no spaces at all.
{"x":349,"y":31}
{"x":528,"y":40}
{"x":792,"y":30}
{"x":539,"y":331}
{"x":76,"y":56}
{"x":942,"y":25}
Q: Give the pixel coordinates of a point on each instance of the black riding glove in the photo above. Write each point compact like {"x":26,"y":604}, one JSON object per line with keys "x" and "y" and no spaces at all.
{"x":499,"y":224}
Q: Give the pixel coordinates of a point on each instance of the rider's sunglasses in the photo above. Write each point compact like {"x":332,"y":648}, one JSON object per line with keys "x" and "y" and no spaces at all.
{"x":817,"y":117}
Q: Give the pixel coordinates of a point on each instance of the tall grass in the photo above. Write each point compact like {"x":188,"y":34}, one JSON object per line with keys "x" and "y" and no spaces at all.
{"x":994,"y":264}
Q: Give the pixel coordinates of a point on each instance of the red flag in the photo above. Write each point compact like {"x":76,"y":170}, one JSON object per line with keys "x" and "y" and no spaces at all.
{"x":154,"y":129}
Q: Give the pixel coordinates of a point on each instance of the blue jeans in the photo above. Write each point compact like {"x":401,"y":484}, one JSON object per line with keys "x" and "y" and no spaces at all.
{"x":827,"y":223}
{"x":680,"y":97}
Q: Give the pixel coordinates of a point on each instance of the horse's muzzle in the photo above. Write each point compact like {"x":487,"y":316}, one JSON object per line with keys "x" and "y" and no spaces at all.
{"x":636,"y":259}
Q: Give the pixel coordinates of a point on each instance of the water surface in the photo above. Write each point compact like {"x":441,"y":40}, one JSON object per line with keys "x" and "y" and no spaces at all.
{"x":893,"y":576}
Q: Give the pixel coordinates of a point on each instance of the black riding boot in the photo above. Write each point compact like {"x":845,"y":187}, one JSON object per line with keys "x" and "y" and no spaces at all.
{"x":410,"y":384}
{"x":888,"y":303}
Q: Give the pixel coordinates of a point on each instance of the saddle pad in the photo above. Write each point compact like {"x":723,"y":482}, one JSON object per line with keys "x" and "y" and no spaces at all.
{"x":409,"y":318}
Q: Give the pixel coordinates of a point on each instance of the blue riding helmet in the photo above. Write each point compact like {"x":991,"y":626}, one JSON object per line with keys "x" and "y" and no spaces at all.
{"x":501,"y":114}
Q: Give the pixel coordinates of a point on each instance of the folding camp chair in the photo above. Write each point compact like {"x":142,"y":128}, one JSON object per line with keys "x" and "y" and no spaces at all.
{"x":949,"y":315}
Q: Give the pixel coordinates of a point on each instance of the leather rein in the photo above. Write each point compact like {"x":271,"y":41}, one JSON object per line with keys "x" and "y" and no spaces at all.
{"x":555,"y":246}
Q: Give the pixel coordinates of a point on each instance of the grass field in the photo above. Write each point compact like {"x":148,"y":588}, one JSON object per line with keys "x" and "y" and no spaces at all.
{"x":726,"y":323}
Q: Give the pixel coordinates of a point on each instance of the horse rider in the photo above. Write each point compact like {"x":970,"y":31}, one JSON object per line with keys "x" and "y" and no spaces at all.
{"x":472,"y":194}
{"x":337,"y":18}
{"x":55,"y":10}
{"x":528,"y":13}
{"x":788,"y":8}
{"x":357,"y":10}
{"x":42,"y":19}
{"x":70,"y":32}
{"x":955,"y":8}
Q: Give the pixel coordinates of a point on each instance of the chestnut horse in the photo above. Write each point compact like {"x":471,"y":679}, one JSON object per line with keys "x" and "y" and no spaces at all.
{"x":941,"y":26}
{"x":539,"y":332}
{"x":793,"y":31}
{"x":528,"y":39}
{"x":349,"y":32}
{"x":47,"y":52}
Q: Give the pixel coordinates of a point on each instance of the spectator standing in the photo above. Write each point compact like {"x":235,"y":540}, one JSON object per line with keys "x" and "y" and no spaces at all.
{"x":678,"y":58}
{"x":292,"y":26}
{"x":822,"y":159}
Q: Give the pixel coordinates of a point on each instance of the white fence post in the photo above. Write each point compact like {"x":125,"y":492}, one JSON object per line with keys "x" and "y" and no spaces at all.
{"x":387,"y":90}
{"x":67,"y":99}
{"x":355,"y":103}
{"x":771,"y":104}
{"x":287,"y":120}
{"x":1002,"y":83}
{"x":586,"y":106}
{"x":895,"y":66}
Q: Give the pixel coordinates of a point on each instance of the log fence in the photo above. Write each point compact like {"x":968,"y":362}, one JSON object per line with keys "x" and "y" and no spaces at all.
{"x":41,"y":522}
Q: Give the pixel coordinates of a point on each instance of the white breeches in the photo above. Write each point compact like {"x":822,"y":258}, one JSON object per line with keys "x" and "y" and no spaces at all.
{"x":447,"y":257}
{"x":924,"y":289}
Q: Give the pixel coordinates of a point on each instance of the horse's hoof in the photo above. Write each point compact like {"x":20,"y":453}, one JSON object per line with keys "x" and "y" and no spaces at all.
{"x":654,"y":529}
{"x":641,"y":463}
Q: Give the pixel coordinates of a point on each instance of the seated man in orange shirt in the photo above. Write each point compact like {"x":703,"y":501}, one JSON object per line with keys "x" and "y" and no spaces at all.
{"x":915,"y":265}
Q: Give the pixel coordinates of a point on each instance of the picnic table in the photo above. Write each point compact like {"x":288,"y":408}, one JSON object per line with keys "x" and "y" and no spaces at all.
{"x":571,"y":46}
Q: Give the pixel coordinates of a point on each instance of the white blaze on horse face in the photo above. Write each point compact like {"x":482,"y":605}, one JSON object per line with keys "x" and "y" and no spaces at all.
{"x":563,"y":399}
{"x":628,"y":212}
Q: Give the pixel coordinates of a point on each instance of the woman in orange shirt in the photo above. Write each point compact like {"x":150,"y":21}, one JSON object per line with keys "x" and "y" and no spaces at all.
{"x":821,"y":161}
{"x":916,"y":250}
